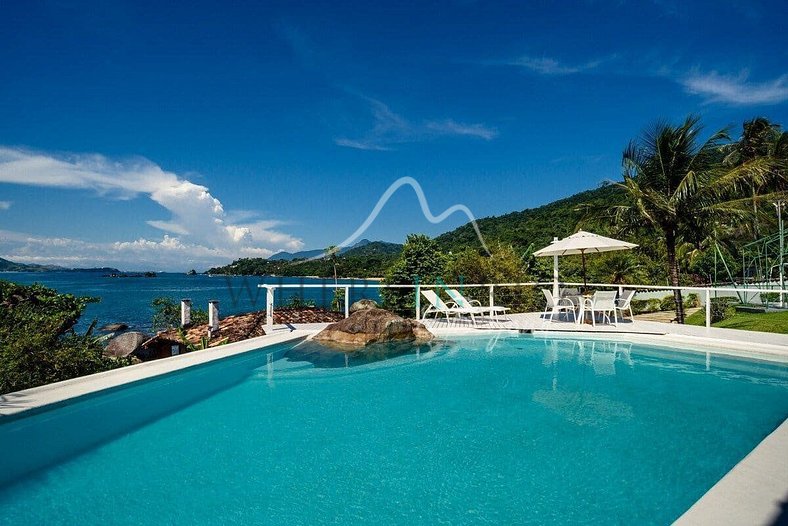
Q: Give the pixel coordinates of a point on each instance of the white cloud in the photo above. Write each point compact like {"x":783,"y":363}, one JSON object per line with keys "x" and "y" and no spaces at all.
{"x":390,"y":129}
{"x":361,"y":145}
{"x":5,"y":205}
{"x":551,"y":66}
{"x":451,"y":127}
{"x":197,"y":218}
{"x":715,"y":87}
{"x":169,"y":253}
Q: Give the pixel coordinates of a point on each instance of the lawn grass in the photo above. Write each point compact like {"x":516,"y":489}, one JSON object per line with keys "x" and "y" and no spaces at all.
{"x":746,"y":321}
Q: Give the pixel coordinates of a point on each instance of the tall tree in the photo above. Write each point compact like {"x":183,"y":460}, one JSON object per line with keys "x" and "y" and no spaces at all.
{"x":761,"y":143}
{"x":421,"y":261}
{"x":677,"y":186}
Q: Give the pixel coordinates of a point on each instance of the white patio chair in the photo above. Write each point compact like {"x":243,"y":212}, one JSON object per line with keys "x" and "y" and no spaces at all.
{"x":557,"y":306}
{"x":605,"y":303}
{"x":464,"y":303}
{"x":573,"y":295}
{"x":625,"y":303}
{"x":569,"y":292}
{"x":437,"y":307}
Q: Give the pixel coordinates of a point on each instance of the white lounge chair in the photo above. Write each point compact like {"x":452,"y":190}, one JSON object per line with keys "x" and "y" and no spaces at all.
{"x":605,"y":303}
{"x":437,"y":307}
{"x":464,"y":303}
{"x":557,"y":306}
{"x":625,"y":303}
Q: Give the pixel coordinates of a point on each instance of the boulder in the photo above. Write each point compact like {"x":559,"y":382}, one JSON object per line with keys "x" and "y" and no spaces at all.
{"x":374,"y":325}
{"x":125,"y":344}
{"x":363,"y":304}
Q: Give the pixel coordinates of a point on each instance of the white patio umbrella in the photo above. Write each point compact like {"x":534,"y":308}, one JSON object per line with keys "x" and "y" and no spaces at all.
{"x":580,"y":243}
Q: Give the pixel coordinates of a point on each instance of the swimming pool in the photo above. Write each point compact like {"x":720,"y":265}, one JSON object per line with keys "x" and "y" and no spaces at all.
{"x":501,"y":429}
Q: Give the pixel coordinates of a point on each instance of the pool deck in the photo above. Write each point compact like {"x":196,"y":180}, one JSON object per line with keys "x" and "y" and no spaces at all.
{"x":754,"y":492}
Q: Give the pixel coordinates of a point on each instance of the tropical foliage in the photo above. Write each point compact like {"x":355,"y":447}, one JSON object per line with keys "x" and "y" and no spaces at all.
{"x":503,"y":265}
{"x":679,"y":187}
{"x":38,"y":343}
{"x":167,"y":314}
{"x":421,"y":261}
{"x":367,"y":261}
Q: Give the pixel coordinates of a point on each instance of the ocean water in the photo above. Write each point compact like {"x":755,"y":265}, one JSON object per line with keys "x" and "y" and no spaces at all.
{"x":497,"y":429}
{"x":127,"y":300}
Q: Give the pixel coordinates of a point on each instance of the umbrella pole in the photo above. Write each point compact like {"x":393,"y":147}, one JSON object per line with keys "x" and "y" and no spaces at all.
{"x":585,"y":279}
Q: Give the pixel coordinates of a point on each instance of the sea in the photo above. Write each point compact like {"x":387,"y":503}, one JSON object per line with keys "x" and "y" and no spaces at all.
{"x":128,"y":299}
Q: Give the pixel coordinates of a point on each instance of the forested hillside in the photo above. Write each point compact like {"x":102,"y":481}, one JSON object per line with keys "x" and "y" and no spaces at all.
{"x":364,"y":261}
{"x":535,"y":226}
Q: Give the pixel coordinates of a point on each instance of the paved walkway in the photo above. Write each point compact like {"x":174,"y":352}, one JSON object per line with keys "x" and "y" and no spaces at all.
{"x":664,"y":316}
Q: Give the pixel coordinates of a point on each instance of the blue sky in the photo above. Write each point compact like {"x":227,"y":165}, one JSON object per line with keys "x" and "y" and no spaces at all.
{"x":149,"y":135}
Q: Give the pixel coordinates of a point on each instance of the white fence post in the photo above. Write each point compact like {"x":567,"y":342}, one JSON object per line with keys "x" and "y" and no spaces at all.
{"x":269,"y":309}
{"x":213,"y":316}
{"x":186,"y":312}
{"x":708,"y":308}
{"x":417,"y":289}
{"x":347,"y":301}
{"x":492,"y":299}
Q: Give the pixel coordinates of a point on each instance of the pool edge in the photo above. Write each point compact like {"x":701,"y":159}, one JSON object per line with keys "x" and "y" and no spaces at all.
{"x":22,"y":403}
{"x":754,"y":492}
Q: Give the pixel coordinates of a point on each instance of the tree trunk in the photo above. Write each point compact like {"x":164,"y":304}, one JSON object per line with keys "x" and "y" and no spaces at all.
{"x":673,"y":270}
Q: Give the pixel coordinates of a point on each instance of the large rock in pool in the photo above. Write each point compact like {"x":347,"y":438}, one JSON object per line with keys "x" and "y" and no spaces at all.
{"x":373,"y":325}
{"x":125,"y":344}
{"x":363,"y":304}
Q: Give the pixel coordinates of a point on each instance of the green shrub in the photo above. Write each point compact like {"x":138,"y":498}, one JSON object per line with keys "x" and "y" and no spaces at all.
{"x":297,"y":302}
{"x":692,"y":300}
{"x":167,"y":314}
{"x":199,"y":317}
{"x":770,"y":297}
{"x":38,"y":344}
{"x":721,"y":308}
{"x":639,"y":306}
{"x":667,"y":303}
{"x":420,"y":260}
{"x":338,"y":301}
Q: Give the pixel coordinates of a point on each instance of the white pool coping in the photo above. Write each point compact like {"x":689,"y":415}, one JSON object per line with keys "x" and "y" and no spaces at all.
{"x":50,"y":395}
{"x":754,"y":492}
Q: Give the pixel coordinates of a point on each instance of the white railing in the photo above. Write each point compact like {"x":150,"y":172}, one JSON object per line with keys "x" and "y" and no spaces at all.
{"x":707,"y":291}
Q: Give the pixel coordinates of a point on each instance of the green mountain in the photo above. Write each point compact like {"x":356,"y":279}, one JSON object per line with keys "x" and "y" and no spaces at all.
{"x":374,"y":249}
{"x":364,"y":260}
{"x":535,"y":226}
{"x":10,"y":266}
{"x":309,"y":254}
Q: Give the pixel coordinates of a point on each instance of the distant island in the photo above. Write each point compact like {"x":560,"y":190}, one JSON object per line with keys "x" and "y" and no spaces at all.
{"x":11,"y":266}
{"x":119,"y":274}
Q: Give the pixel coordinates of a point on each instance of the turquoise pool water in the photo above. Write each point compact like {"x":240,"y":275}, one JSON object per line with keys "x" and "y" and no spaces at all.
{"x":509,"y":429}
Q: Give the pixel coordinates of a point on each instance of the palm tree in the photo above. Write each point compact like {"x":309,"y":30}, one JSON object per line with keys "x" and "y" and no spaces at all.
{"x":761,"y":140}
{"x":677,"y":186}
{"x":331,"y":254}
